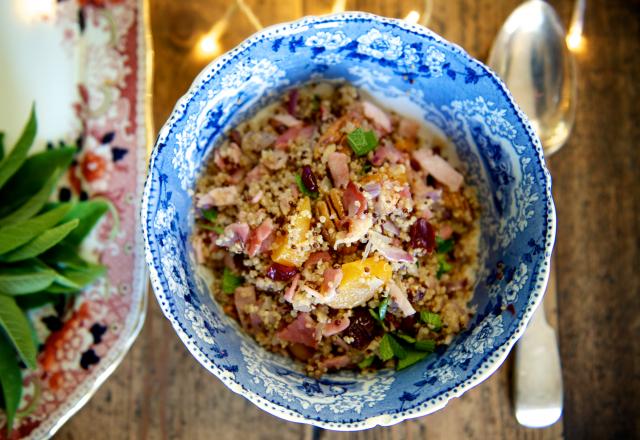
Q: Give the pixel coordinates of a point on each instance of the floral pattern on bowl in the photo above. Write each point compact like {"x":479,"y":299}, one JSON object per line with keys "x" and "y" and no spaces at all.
{"x":83,"y":345}
{"x":415,"y":72}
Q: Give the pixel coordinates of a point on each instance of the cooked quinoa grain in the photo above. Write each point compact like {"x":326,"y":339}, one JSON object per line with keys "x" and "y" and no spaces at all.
{"x":339,"y":233}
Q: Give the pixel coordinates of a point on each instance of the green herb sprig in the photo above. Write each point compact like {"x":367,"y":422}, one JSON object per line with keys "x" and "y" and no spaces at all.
{"x":39,"y":251}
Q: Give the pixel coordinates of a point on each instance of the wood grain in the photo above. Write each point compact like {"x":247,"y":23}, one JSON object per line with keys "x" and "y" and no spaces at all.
{"x":160,"y":391}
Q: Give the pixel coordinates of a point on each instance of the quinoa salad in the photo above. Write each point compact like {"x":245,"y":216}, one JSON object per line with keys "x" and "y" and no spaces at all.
{"x":338,"y":233}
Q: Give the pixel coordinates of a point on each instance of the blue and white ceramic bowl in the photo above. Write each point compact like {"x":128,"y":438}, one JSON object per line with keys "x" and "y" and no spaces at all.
{"x":417,"y":72}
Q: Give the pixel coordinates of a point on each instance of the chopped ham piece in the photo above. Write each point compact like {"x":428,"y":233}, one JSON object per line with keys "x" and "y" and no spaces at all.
{"x":227,"y":157}
{"x":234,"y":233}
{"x":400,"y":298}
{"x":378,"y":116}
{"x":337,"y":362}
{"x":331,"y":280}
{"x":316,"y":257}
{"x":358,"y":228}
{"x":408,"y":128}
{"x":439,"y":168}
{"x":302,"y":330}
{"x":354,"y":200}
{"x":445,"y":232}
{"x":287,"y":120}
{"x":291,"y":290}
{"x":257,"y":237}
{"x":245,"y":297}
{"x":389,"y":153}
{"x":282,"y":142}
{"x":419,"y":188}
{"x":382,"y":244}
{"x":335,"y":326}
{"x":256,"y":173}
{"x":229,"y":262}
{"x":339,"y":169}
{"x":236,"y":177}
{"x":221,"y":196}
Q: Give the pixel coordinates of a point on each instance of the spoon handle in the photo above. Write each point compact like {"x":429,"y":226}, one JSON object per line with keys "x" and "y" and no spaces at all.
{"x":538,"y":376}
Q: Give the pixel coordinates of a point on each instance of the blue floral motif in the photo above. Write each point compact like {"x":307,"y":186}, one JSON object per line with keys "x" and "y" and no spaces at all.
{"x":328,"y":58}
{"x":380,"y":45}
{"x":328,"y":40}
{"x":417,"y":73}
{"x":410,"y":58}
{"x":251,"y":70}
{"x":442,"y":374}
{"x":434,"y":60}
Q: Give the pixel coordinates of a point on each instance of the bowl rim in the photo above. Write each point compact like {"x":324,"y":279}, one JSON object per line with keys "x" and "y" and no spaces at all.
{"x":493,"y":359}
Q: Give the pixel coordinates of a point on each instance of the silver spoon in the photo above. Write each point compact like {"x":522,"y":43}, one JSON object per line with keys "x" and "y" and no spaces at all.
{"x":531,"y":56}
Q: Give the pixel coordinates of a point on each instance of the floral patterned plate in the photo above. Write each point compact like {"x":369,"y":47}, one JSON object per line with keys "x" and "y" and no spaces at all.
{"x":83,"y":63}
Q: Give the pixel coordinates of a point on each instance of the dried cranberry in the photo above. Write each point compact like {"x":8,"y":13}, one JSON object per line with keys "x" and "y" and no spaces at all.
{"x":280,"y":272}
{"x":407,"y":325}
{"x":362,"y":328}
{"x":423,"y":235}
{"x":279,"y":127}
{"x":309,"y":179}
{"x":234,"y":135}
{"x":292,"y":103}
{"x":415,"y":165}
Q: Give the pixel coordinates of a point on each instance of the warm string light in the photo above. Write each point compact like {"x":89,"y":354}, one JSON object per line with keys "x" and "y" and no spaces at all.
{"x":208,"y":46}
{"x":338,"y":6}
{"x":412,"y":17}
{"x":31,"y":10}
{"x":575,"y":40}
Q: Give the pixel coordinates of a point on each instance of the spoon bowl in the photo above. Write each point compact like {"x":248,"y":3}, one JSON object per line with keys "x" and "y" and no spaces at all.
{"x":531,"y":56}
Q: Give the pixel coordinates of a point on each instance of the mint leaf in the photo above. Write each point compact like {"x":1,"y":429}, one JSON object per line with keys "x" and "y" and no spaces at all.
{"x":366,"y":362}
{"x":432,"y":320}
{"x":15,"y":235}
{"x":25,"y":278}
{"x":444,"y":246}
{"x":411,"y":358}
{"x":398,"y":350}
{"x":11,"y":381}
{"x":210,"y":214}
{"x":385,"y":352}
{"x":443,"y":266}
{"x":15,"y":324}
{"x":361,"y":142}
{"x":34,"y":204}
{"x":32,"y":175}
{"x":407,"y":338}
{"x":230,"y":281}
{"x":41,"y":243}
{"x":1,"y":145}
{"x":428,"y":345}
{"x":18,"y":155}
{"x":88,"y":213}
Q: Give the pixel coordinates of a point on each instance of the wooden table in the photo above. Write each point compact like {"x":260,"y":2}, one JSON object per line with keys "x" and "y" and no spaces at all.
{"x":160,"y":391}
